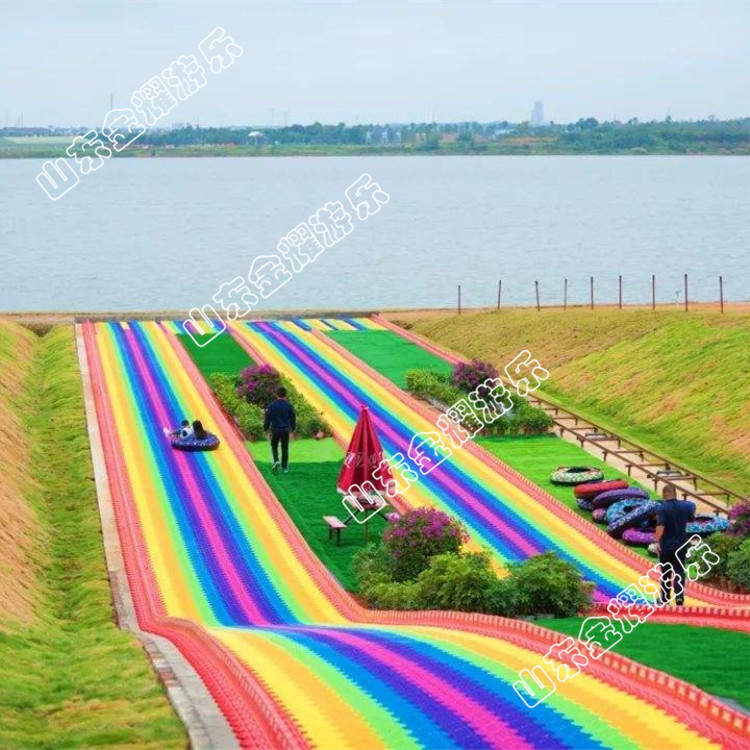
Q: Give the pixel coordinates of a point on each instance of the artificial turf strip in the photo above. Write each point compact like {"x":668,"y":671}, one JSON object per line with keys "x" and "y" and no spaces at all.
{"x":308,"y":492}
{"x":537,"y":456}
{"x":389,"y":354}
{"x":702,"y":656}
{"x":72,"y":679}
{"x":223,"y":355}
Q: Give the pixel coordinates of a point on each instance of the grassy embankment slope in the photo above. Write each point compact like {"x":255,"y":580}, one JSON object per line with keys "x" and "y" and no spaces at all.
{"x":676,"y":382}
{"x":69,"y":676}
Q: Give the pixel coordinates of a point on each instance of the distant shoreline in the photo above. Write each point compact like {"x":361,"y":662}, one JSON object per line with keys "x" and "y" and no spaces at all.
{"x":57,"y":317}
{"x":44,"y":151}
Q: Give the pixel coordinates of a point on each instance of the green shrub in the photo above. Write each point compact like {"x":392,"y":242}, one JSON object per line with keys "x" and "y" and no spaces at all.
{"x":501,"y":598}
{"x":427,"y":384}
{"x":382,"y":593}
{"x":249,"y":419}
{"x":465,"y":582}
{"x":225,"y":388}
{"x":738,"y":567}
{"x":309,"y":421}
{"x":548,"y":585}
{"x":528,"y":419}
{"x":416,"y":536}
{"x":371,"y":561}
{"x":455,"y":581}
{"x":723,"y":545}
{"x":524,"y":419}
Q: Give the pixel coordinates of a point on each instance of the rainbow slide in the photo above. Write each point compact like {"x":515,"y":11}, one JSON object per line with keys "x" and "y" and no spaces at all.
{"x":501,"y":509}
{"x":214,"y":564}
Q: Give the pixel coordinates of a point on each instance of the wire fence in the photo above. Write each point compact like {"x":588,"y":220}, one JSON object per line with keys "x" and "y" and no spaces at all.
{"x":593,"y":300}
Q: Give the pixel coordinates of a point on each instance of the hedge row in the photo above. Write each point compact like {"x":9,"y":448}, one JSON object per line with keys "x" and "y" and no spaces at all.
{"x":523,"y":419}
{"x":249,"y":417}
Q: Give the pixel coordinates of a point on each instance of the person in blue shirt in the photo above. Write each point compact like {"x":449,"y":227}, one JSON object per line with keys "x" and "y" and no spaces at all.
{"x":671,"y":535}
{"x":281,"y":421}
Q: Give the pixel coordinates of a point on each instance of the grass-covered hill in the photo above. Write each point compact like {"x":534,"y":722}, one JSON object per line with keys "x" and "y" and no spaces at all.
{"x":68,"y":676}
{"x":677,"y":382}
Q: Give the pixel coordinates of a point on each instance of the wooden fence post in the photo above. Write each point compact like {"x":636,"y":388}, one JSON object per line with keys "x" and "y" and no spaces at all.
{"x":653,"y":291}
{"x":591,"y":284}
{"x":565,"y":295}
{"x":459,"y":299}
{"x":619,"y":290}
{"x":536,"y":287}
{"x":499,"y":292}
{"x":721,"y":293}
{"x":686,"y":293}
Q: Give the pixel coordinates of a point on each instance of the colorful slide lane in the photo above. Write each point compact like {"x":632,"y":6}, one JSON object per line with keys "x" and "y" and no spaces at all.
{"x":215,"y":565}
{"x":502,"y":510}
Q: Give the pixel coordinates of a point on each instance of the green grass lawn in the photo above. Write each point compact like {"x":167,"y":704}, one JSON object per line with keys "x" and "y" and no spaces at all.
{"x":72,"y":678}
{"x":222,"y":355}
{"x":703,"y":656}
{"x":389,"y":354}
{"x":537,"y":456}
{"x":308,"y":492}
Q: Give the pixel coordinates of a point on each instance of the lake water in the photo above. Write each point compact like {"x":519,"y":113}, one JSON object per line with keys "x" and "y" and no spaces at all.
{"x":165,"y":233}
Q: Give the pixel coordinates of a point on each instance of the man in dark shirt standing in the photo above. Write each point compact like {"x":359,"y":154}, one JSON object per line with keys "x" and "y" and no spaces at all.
{"x":671,"y":536}
{"x":281,"y":421}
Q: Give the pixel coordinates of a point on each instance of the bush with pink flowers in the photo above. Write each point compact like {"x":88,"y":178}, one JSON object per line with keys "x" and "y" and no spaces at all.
{"x":258,"y":384}
{"x":468,"y":375}
{"x":739,"y":518}
{"x":416,"y":536}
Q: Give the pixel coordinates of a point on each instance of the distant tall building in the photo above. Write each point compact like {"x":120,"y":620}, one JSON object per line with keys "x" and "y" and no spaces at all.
{"x":537,"y":115}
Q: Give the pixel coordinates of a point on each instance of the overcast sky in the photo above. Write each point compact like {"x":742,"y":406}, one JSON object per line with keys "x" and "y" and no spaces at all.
{"x":382,"y":61}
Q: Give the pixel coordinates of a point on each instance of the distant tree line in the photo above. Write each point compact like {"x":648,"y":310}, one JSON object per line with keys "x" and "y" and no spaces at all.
{"x":587,"y":135}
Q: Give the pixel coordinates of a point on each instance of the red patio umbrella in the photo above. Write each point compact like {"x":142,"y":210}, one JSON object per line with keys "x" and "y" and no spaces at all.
{"x":363,"y":456}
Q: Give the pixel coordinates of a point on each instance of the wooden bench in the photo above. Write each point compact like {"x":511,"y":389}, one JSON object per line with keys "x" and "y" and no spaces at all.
{"x":334,"y":524}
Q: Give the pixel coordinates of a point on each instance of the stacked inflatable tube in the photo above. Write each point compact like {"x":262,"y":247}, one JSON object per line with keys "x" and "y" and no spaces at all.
{"x":605,"y":499}
{"x":576,"y":475}
{"x":638,"y":537}
{"x":590,"y":490}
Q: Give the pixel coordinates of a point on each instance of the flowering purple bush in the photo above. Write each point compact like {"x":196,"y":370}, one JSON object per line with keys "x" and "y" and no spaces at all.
{"x":468,"y":375}
{"x":259,"y":384}
{"x":416,"y":536}
{"x":739,"y":517}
